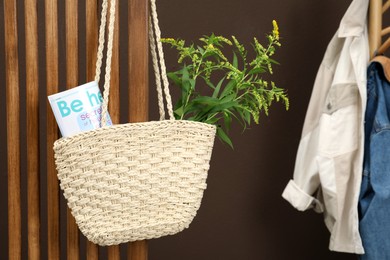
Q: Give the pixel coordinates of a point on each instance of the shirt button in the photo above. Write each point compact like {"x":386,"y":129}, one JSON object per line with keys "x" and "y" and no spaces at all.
{"x":329,"y":106}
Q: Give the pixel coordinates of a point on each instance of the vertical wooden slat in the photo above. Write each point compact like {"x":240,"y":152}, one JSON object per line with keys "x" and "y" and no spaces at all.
{"x":92,"y":251}
{"x":138,"y":85}
{"x":113,"y":253}
{"x":375,"y":25}
{"x":91,"y":50}
{"x":114,"y":104}
{"x":138,"y":250}
{"x":31,"y":32}
{"x":92,"y":26}
{"x":138,"y":60}
{"x":13,"y":128}
{"x":53,"y":209}
{"x":71,"y":18}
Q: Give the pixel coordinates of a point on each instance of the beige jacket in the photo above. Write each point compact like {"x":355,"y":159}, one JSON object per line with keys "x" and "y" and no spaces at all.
{"x":328,"y":169}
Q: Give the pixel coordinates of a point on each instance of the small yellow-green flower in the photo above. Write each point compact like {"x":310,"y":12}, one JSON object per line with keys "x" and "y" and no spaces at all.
{"x":275,"y":31}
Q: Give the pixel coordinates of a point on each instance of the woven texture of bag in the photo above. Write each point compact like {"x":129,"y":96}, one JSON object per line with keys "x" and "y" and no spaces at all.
{"x":135,"y":181}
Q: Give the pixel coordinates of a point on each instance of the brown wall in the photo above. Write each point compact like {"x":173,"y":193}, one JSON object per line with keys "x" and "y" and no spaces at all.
{"x":242,"y":215}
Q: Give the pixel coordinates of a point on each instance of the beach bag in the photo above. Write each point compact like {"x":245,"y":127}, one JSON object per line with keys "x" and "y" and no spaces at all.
{"x":135,"y":181}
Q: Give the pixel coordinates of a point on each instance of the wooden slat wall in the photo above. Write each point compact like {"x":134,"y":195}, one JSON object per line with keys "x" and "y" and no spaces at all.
{"x":34,"y":209}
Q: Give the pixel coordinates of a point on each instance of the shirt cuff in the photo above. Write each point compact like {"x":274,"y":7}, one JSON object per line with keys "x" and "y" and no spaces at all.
{"x":300,"y":199}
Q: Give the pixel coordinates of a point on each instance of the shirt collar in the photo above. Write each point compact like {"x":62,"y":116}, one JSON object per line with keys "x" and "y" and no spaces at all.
{"x":354,"y":20}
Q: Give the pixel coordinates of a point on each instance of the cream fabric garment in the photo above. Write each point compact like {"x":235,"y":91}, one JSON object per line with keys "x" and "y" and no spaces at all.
{"x":328,"y":169}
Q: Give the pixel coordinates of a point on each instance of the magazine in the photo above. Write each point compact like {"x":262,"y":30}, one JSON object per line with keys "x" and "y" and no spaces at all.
{"x":78,"y":109}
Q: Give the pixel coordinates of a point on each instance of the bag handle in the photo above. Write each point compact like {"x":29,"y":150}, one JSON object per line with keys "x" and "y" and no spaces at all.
{"x":107,"y":78}
{"x":155,"y":37}
{"x":102,"y":29}
{"x":157,"y":54}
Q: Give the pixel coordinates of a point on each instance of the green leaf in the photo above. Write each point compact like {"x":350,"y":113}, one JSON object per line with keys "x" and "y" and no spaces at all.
{"x":235,"y":60}
{"x":223,"y":137}
{"x":192,"y":83}
{"x":247,"y":117}
{"x":206,"y":100}
{"x":212,"y":120}
{"x":274,"y":62}
{"x":233,"y":113}
{"x":179,"y":111}
{"x":256,"y":71}
{"x":228,"y":88}
{"x":227,"y":118}
{"x":228,"y":98}
{"x":175,"y":78}
{"x":191,"y":108}
{"x":202,"y":106}
{"x":217,"y":88}
{"x":208,"y":82}
{"x":201,"y":50}
{"x":223,"y":106}
{"x":185,"y":78}
{"x":186,"y":85}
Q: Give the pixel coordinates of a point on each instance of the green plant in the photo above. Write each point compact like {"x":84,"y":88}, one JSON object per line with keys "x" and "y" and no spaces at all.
{"x":237,"y":89}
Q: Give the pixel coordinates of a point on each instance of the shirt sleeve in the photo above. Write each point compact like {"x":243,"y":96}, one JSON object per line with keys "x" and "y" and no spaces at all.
{"x":300,"y":191}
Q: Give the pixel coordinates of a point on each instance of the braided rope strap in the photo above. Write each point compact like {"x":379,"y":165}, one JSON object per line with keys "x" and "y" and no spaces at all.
{"x":136,"y":181}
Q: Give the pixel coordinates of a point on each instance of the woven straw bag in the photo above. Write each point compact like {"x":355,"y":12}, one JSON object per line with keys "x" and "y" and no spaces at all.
{"x":135,"y":181}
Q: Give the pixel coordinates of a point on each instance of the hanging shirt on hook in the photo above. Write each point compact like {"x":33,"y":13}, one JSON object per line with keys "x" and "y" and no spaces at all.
{"x":328,"y":169}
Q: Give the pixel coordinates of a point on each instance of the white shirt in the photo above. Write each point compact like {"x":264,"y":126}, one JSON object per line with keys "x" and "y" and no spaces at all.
{"x":328,"y":168}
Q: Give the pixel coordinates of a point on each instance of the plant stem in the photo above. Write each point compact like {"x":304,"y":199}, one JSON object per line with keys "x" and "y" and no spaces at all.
{"x":196,"y":74}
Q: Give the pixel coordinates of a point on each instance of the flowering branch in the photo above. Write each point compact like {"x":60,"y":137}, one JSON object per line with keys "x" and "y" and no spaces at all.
{"x":239,"y":92}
